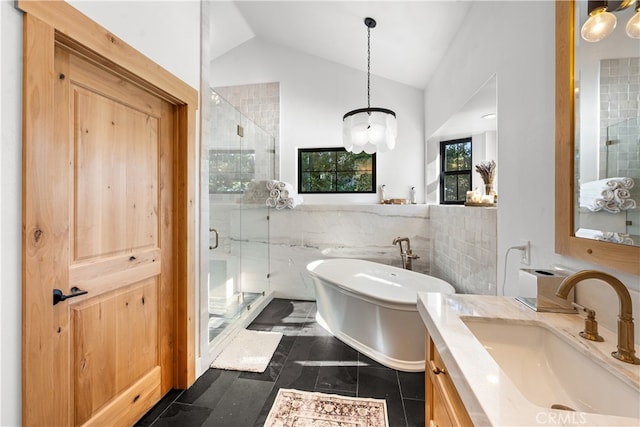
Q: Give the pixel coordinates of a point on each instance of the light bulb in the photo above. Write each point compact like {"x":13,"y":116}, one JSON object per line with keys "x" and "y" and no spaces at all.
{"x":599,"y":25}
{"x":633,"y":26}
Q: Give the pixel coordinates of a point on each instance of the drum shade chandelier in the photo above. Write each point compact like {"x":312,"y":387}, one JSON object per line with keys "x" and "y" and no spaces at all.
{"x":602,"y":21}
{"x":369,"y":129}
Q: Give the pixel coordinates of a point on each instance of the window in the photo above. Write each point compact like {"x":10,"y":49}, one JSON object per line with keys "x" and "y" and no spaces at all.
{"x":335,"y":170}
{"x":455,"y":172}
{"x":230,"y":170}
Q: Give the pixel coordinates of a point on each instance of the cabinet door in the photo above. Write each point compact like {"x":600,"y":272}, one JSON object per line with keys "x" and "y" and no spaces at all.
{"x":444,"y":406}
{"x":440,"y":415}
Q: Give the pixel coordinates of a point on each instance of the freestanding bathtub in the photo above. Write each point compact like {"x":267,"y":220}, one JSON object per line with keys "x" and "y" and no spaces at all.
{"x":372,"y":307}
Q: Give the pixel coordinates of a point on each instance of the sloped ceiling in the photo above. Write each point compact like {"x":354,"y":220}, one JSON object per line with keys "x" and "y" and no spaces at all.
{"x":407,"y":44}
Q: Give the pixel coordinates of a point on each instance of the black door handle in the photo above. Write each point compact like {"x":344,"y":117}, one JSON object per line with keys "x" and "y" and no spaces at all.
{"x":58,"y":296}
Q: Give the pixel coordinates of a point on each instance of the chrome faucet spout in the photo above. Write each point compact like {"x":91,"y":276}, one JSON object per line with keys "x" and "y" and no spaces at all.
{"x":626,"y":347}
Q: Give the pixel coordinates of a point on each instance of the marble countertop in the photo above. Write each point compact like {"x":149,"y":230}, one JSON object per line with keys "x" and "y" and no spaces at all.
{"x":490,"y":397}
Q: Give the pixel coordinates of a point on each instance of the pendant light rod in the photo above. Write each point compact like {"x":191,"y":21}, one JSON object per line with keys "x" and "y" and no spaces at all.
{"x":370,"y":23}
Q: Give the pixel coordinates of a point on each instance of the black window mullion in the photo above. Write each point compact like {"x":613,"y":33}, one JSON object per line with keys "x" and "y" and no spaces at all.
{"x":339,"y":179}
{"x":463,"y":157}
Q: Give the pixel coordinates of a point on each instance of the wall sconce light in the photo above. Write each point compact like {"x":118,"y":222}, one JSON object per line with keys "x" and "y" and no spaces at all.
{"x":369,"y":129}
{"x":602,"y":21}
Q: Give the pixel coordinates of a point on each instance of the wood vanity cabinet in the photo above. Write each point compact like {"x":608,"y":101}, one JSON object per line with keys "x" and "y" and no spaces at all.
{"x":443,"y":406}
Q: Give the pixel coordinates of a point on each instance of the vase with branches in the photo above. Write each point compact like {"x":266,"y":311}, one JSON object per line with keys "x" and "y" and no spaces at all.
{"x":487,"y":170}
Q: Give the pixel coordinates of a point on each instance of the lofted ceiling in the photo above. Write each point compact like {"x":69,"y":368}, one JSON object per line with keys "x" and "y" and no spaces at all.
{"x":406,"y":46}
{"x":408,"y":43}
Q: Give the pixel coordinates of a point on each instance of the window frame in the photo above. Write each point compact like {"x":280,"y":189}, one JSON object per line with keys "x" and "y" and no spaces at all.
{"x":444,"y":173}
{"x":336,"y":150}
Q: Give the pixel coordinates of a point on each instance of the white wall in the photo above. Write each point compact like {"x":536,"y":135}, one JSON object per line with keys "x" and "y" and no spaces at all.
{"x":515,"y":40}
{"x":314,"y":95}
{"x":10,"y":212}
{"x":167,"y":32}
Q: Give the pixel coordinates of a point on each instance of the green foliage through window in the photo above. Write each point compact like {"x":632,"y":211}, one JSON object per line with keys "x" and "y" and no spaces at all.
{"x":455,"y":173}
{"x":230,"y":170}
{"x":335,"y":170}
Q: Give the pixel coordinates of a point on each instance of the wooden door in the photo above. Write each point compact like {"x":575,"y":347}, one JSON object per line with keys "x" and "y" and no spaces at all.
{"x":107,"y":211}
{"x":118,"y":140}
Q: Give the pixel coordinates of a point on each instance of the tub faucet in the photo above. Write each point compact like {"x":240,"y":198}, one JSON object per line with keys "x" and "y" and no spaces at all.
{"x":626,"y":348}
{"x":407,"y":255}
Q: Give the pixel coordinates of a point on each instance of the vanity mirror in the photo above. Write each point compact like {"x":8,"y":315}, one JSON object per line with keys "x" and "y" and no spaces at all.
{"x":587,"y":116}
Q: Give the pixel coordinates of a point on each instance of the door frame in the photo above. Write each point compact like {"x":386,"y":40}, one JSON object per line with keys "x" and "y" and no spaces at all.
{"x":45,"y":24}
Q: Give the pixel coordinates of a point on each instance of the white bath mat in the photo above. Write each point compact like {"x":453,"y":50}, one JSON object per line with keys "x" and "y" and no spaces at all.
{"x":248,"y":351}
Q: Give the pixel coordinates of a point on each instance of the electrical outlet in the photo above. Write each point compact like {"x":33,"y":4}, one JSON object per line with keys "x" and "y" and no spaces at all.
{"x":525,"y":256}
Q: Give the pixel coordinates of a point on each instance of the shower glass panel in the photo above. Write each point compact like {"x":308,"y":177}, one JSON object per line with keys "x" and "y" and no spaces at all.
{"x":239,"y":152}
{"x":622,"y":159}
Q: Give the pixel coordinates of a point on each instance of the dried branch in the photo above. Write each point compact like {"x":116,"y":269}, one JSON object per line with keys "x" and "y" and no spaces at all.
{"x":487,"y":170}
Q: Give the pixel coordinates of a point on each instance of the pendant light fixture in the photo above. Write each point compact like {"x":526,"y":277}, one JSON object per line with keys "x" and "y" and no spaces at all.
{"x":369,"y":129}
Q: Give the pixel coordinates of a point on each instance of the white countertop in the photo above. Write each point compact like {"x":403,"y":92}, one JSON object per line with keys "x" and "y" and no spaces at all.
{"x":488,"y":394}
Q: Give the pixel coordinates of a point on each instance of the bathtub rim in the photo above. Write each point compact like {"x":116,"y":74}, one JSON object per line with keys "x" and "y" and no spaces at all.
{"x":392,"y":304}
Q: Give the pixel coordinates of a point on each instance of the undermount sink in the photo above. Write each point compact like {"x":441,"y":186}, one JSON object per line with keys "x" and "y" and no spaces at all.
{"x":551,"y":372}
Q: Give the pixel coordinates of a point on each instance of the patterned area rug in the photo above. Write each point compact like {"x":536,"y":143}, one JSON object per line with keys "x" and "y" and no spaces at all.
{"x":294,"y":408}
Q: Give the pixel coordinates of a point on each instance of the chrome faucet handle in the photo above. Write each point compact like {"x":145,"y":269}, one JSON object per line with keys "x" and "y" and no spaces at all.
{"x":590,"y":331}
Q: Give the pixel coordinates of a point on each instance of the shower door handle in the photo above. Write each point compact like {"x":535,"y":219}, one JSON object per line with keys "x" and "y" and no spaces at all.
{"x":217,"y":237}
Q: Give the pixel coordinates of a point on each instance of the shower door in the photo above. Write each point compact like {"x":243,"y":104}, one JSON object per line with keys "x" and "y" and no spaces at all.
{"x":239,"y":153}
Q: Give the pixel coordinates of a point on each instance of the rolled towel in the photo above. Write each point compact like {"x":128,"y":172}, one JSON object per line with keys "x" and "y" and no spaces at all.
{"x":607,"y":195}
{"x":274,"y":193}
{"x":271,"y":202}
{"x":609,"y":236}
{"x":627,"y":204}
{"x":597,"y":205}
{"x":284,"y":194}
{"x":271,"y":184}
{"x":295,"y":200}
{"x":281,"y":203}
{"x":611,"y":206}
{"x":620,"y":182}
{"x":620,"y":194}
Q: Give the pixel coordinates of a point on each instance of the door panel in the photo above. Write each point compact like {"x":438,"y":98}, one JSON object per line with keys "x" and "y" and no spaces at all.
{"x":115,"y":345}
{"x":119,"y":184}
{"x":122,"y":175}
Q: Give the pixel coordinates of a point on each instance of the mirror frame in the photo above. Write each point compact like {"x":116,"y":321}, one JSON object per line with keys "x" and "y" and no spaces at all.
{"x":617,"y":256}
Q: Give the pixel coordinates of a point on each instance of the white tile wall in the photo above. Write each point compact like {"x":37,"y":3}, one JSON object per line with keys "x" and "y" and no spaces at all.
{"x":463,"y":248}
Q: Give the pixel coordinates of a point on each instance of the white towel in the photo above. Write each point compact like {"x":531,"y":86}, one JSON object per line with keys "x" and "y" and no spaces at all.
{"x":620,"y":182}
{"x":281,"y":195}
{"x":271,"y":202}
{"x":610,"y":195}
{"x":281,"y":203}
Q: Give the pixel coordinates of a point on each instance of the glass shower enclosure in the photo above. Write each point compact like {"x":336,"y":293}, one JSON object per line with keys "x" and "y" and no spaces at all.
{"x":240,"y":154}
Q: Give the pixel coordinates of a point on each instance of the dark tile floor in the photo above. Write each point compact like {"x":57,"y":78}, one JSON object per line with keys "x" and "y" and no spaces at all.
{"x":307,"y":358}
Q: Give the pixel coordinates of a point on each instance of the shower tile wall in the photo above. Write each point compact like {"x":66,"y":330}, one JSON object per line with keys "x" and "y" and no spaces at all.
{"x":311,"y":232}
{"x":620,"y":123}
{"x":261,"y":104}
{"x":464,"y":247}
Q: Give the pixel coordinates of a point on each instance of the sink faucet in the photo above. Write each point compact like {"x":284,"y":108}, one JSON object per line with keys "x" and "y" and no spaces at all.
{"x":407,"y":255}
{"x":626,"y":348}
